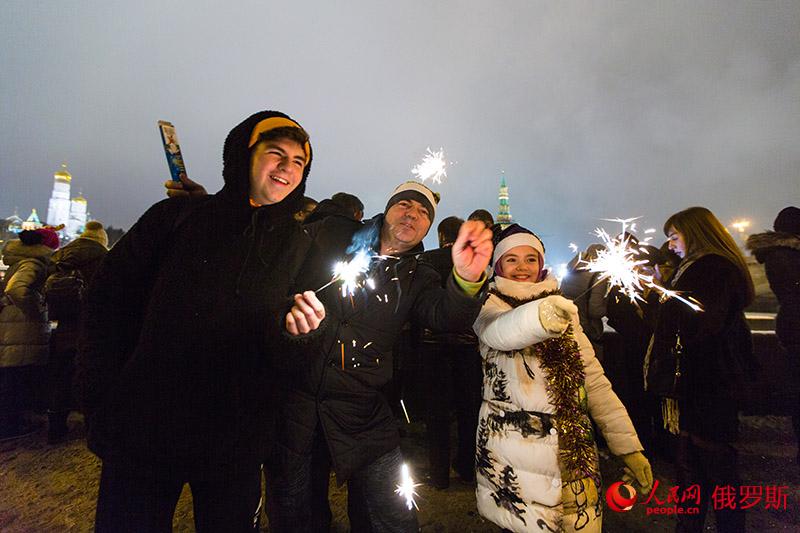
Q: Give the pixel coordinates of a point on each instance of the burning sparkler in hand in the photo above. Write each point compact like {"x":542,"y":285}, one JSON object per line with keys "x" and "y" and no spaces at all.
{"x":432,"y":167}
{"x":348,"y":272}
{"x":406,"y":487}
{"x":619,"y":264}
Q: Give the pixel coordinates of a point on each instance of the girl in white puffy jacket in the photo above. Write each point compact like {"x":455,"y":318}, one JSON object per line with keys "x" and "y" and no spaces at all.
{"x":536,"y":460}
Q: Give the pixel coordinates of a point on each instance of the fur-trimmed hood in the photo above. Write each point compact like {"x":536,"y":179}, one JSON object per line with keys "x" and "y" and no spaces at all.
{"x":760,"y":243}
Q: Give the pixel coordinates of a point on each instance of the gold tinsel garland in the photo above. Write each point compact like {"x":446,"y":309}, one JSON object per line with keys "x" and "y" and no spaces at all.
{"x":560,"y":358}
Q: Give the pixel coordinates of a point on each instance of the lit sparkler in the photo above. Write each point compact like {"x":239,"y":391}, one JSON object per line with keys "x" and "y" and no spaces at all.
{"x":403,"y":405}
{"x":406,"y":487}
{"x":348,"y":272}
{"x":618,"y":263}
{"x":432,"y":167}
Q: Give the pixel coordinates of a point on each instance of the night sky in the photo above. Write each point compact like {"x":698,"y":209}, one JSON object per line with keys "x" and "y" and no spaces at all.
{"x":592,"y":109}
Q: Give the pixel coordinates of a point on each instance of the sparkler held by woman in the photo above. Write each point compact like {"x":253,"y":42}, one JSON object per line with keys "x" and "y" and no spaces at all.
{"x":619,"y":262}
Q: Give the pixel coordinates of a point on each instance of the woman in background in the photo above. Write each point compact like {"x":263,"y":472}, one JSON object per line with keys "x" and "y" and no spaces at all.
{"x":24,"y":327}
{"x":699,"y":360}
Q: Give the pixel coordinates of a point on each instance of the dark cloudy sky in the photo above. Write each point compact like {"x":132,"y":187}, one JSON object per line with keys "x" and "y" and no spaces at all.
{"x":592,"y":109}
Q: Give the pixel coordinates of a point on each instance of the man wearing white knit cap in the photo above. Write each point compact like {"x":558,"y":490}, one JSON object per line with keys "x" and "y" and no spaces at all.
{"x":335,"y":413}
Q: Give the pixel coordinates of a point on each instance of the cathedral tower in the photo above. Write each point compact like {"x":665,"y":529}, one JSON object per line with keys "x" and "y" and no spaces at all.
{"x":59,"y":205}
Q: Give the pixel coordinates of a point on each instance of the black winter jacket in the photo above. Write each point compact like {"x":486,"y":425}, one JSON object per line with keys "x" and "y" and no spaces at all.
{"x":183,"y":319}
{"x":84,"y":255}
{"x":441,"y":259}
{"x":780,"y":253}
{"x":717,"y":357}
{"x":336,"y":385}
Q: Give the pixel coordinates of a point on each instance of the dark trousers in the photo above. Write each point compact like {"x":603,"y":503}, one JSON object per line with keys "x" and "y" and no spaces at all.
{"x":708,"y":464}
{"x":453,"y":379}
{"x":17,"y":398}
{"x":138,"y":497}
{"x":298,"y":499}
{"x":793,"y":355}
{"x":60,"y":369}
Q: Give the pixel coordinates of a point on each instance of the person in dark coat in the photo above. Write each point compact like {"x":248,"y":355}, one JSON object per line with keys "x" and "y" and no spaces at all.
{"x":699,"y":362}
{"x":633,"y":322}
{"x":452,"y":378}
{"x":335,"y":414}
{"x":590,"y":296}
{"x":308,"y":207}
{"x":84,"y":255}
{"x":184,"y":317}
{"x":24,"y":327}
{"x":779,"y":251}
{"x":340,"y":204}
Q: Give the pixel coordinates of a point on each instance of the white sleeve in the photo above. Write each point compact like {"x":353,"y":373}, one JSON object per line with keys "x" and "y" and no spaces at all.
{"x":503,"y":328}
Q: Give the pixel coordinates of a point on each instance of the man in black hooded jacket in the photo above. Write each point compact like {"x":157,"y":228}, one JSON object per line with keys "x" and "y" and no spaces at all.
{"x":183,"y":319}
{"x":334,"y":413}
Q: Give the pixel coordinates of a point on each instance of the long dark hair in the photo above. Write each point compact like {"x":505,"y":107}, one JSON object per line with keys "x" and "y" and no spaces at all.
{"x":703,"y":233}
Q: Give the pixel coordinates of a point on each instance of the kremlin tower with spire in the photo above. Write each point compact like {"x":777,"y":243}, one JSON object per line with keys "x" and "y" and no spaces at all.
{"x":503,"y":213}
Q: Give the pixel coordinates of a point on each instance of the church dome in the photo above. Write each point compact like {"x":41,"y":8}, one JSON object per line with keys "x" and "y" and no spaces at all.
{"x":63,"y":175}
{"x":14,"y":223}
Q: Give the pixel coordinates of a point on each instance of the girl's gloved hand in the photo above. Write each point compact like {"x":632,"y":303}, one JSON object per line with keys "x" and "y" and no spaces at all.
{"x":555,"y":313}
{"x":637,"y":468}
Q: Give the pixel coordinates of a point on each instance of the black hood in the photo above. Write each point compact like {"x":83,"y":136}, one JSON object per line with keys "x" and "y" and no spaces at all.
{"x":236,"y":163}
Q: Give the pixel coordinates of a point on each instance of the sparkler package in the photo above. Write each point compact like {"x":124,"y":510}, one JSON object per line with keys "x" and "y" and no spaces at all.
{"x":172,"y":149}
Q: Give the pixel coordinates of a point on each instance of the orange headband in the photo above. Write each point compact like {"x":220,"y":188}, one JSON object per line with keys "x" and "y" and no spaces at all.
{"x":276,"y":122}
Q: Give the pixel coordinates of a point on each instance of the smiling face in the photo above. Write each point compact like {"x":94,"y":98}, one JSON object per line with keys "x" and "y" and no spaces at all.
{"x":276,"y":169}
{"x":676,"y":242}
{"x":405,"y":225}
{"x":520,"y":263}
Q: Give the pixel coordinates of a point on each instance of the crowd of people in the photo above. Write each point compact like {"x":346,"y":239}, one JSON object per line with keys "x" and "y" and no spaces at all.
{"x":209,"y":353}
{"x":33,"y":353}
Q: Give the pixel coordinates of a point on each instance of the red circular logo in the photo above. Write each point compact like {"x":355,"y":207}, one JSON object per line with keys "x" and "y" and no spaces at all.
{"x":620,"y":497}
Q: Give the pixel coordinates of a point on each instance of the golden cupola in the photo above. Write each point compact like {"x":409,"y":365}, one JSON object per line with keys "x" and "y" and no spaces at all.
{"x":62,"y":175}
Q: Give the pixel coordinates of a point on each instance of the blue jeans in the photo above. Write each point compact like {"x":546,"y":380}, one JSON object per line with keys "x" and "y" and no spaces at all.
{"x":298,"y":497}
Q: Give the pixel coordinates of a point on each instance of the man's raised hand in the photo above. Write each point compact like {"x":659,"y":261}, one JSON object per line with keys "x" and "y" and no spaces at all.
{"x":472,"y":250}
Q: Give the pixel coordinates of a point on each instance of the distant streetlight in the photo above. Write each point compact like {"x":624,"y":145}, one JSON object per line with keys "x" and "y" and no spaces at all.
{"x":740,"y":225}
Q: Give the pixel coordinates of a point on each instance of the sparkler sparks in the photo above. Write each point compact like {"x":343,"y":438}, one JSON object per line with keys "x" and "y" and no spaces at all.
{"x":348,"y":273}
{"x":432,"y":167}
{"x":406,"y":487}
{"x":618,"y":264}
